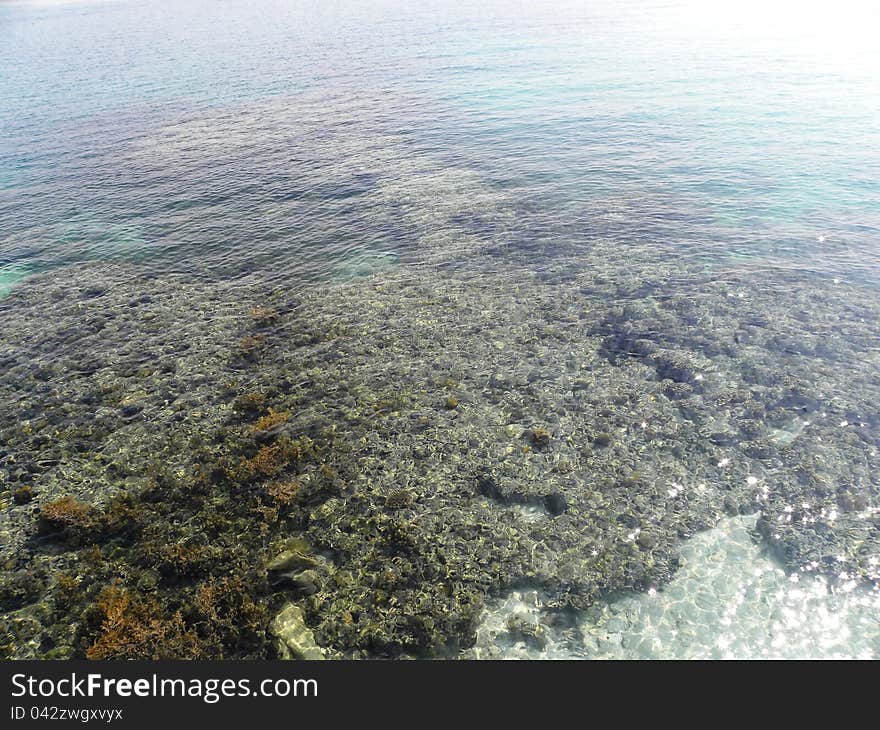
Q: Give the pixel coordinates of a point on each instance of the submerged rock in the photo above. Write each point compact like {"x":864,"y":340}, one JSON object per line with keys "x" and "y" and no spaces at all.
{"x":295,"y":639}
{"x":406,"y":517}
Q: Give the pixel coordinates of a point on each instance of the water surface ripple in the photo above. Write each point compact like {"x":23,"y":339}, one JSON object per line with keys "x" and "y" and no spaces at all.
{"x":584,"y":278}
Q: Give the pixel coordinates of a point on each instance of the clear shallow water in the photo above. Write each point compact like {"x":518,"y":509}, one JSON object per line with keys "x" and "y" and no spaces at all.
{"x":696,"y":163}
{"x":729,"y":600}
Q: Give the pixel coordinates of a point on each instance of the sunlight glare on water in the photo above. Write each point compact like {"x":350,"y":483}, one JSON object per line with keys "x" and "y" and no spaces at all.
{"x":823,"y":34}
{"x":567,"y":282}
{"x":729,"y":600}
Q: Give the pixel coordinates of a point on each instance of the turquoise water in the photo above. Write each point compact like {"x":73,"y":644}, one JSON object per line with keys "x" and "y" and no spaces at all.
{"x":207,"y":139}
{"x":697,"y":172}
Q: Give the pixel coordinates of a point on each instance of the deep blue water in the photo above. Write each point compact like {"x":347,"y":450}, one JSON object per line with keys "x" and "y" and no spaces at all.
{"x":307,"y":138}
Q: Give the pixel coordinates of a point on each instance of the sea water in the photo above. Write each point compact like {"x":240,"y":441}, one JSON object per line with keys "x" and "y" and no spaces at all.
{"x":305,"y":143}
{"x":729,"y":600}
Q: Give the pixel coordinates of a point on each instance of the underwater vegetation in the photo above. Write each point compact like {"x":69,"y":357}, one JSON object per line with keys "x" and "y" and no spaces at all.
{"x":170,"y":564}
{"x":132,"y":628}
{"x":270,"y":421}
{"x":68,"y":515}
{"x":355,"y":474}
